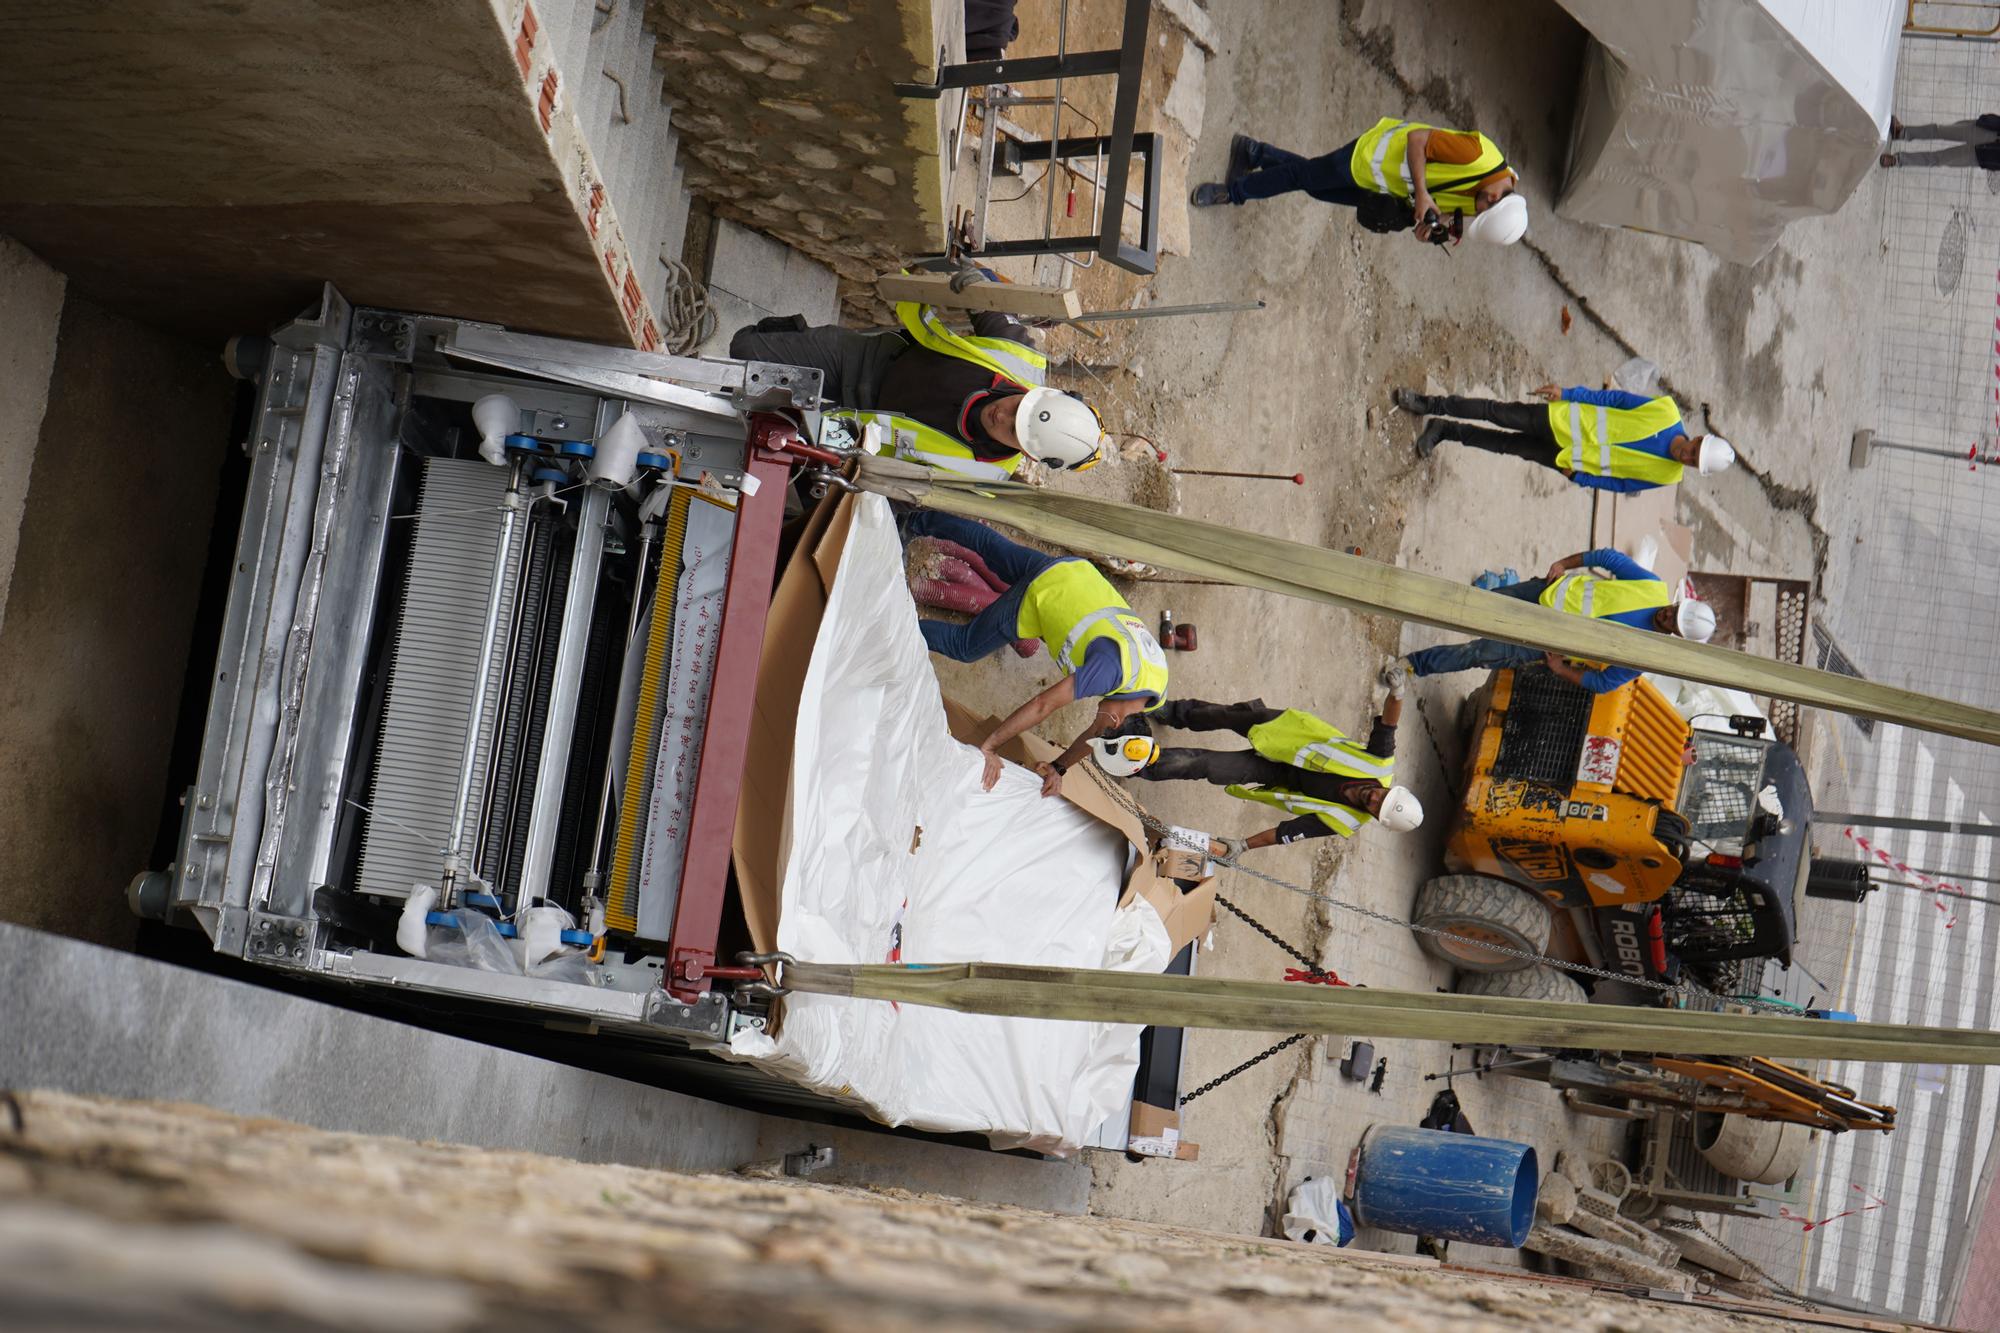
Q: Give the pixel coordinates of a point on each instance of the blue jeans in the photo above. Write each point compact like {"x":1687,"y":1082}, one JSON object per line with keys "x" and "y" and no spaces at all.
{"x":1490,"y":654}
{"x":1273,"y":171}
{"x":999,"y":624}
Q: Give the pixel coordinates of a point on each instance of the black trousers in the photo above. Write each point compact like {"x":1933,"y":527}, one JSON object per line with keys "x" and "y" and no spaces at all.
{"x":1222,"y":767}
{"x":1525,"y":431}
{"x":854,"y":364}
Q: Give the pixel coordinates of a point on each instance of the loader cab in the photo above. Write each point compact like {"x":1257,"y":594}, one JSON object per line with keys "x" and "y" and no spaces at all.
{"x":1749,"y":812}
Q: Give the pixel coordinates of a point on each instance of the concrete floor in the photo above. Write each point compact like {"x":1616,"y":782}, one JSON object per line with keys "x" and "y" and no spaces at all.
{"x":1304,"y":387}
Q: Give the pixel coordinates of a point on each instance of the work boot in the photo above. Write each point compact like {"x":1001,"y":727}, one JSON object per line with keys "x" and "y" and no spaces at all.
{"x":1895,"y":128}
{"x":1243,"y":154}
{"x":1887,"y":160}
{"x":1412,"y":402}
{"x":1429,"y":438}
{"x":1208,"y":194}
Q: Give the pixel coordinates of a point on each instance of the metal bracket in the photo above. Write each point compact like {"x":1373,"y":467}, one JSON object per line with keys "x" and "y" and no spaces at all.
{"x":706,"y":1020}
{"x":384,"y":334}
{"x":283,"y":941}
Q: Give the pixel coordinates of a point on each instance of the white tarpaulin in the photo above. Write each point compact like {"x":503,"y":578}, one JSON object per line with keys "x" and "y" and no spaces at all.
{"x":1719,"y":121}
{"x":895,"y":854}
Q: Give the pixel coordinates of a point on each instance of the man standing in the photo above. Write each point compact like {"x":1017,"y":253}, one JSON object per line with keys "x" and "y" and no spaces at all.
{"x":1105,"y":651}
{"x":1975,"y":143}
{"x":1296,"y":762}
{"x":1631,"y":595}
{"x":1602,"y":438}
{"x":967,"y":403}
{"x":1394,"y":176}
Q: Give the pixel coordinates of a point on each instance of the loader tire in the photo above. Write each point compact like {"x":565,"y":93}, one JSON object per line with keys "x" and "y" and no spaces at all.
{"x":1475,"y":909}
{"x":1539,"y":982}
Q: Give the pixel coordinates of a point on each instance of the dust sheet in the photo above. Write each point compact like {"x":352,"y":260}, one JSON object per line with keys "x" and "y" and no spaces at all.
{"x":894,"y":854}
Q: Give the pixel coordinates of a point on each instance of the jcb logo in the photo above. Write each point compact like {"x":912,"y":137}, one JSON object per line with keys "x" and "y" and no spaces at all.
{"x":1625,"y":943}
{"x":1538,"y":861}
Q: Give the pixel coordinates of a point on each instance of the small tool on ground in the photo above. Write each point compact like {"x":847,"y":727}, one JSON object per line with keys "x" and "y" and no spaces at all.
{"x":1296,"y":478}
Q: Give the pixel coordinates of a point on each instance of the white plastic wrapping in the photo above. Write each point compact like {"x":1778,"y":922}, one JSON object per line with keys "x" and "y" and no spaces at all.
{"x":895,"y":854}
{"x":1719,"y":121}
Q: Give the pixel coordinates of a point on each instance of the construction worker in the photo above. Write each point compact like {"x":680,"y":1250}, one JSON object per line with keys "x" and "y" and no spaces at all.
{"x":1395,"y":177}
{"x":1605,"y":439}
{"x":1296,"y":762}
{"x":1631,"y":595}
{"x":967,"y":403}
{"x":1105,"y":651}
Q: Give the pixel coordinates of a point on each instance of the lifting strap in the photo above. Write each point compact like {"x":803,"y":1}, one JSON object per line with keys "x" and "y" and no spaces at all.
{"x":1085,"y":995}
{"x":1249,"y":559}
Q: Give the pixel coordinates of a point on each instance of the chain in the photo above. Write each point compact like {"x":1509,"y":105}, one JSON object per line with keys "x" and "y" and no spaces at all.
{"x":1258,"y":1059}
{"x":1272,"y":936}
{"x":1778,"y":1288}
{"x":1582,"y":969}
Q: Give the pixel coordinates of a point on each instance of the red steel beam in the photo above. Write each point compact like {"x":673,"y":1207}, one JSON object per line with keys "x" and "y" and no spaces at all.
{"x":774,"y":447}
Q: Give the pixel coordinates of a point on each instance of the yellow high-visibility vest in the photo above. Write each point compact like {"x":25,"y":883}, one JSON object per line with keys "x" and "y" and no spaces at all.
{"x":911,"y":440}
{"x":914,"y":442}
{"x":1381,"y":163}
{"x":1069,"y":605}
{"x":1298,"y":738}
{"x":1342,"y":819}
{"x":1585,"y":594}
{"x":1590,"y":438}
{"x":1003,"y":356}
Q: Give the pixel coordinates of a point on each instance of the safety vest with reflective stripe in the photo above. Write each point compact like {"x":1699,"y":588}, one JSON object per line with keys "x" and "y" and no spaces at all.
{"x":1583,"y":594}
{"x":1003,"y":356}
{"x":1298,"y":738}
{"x":1342,"y":819}
{"x":911,"y":440}
{"x":1069,"y":605}
{"x":1381,"y":163}
{"x":914,"y":442}
{"x":1590,"y":438}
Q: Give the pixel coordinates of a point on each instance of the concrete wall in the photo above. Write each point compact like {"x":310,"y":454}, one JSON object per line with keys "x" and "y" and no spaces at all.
{"x":113,"y":532}
{"x":204,"y":1220}
{"x":31,"y":299}
{"x":791,"y":127}
{"x":204,"y":165}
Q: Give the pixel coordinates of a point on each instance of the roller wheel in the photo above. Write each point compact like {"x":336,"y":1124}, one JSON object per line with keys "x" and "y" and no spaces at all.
{"x":1475,"y":910}
{"x":1539,"y":982}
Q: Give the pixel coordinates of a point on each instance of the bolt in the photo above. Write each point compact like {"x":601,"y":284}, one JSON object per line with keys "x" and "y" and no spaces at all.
{"x":263,"y":927}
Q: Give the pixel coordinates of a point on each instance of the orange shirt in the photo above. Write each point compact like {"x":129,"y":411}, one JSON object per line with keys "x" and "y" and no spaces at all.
{"x":1451,"y":147}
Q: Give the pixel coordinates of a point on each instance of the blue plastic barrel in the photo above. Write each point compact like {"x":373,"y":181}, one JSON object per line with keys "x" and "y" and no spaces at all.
{"x":1425,"y":1182}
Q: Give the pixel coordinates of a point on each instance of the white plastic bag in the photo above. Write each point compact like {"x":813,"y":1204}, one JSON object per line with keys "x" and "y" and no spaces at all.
{"x":1315,"y":1215}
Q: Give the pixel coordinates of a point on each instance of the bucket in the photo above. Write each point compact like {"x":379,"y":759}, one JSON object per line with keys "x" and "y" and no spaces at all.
{"x":1424,"y":1182}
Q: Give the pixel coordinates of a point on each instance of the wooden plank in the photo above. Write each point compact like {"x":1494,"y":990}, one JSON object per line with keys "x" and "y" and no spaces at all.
{"x":1080,"y":994}
{"x":1010,"y":298}
{"x":1246,"y":558}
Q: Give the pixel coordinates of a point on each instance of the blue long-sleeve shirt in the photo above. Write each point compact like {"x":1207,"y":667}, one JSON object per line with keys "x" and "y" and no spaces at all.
{"x":1619,"y":566}
{"x":1620,"y":400}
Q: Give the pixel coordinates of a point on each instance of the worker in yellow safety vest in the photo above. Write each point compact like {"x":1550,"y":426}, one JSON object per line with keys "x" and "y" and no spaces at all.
{"x":1104,"y":650}
{"x":1297,"y":762}
{"x":1626,"y":592}
{"x":1605,"y":439}
{"x":1402,"y":175}
{"x":971,"y":403}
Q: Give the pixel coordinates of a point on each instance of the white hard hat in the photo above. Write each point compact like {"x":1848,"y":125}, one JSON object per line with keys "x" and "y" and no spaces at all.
{"x":1695,"y":620}
{"x":1058,"y":430}
{"x":1503,"y":223}
{"x":1717,"y":455}
{"x":1401,"y":810}
{"x":1122,"y":756}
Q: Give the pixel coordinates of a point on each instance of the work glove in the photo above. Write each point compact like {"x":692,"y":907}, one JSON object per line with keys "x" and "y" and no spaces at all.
{"x":1232,"y":848}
